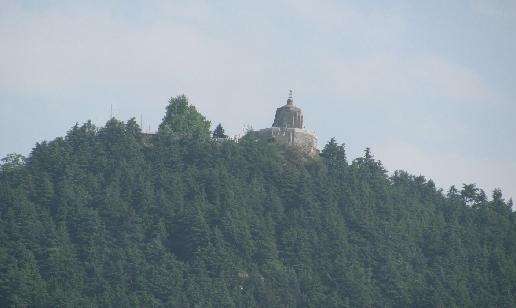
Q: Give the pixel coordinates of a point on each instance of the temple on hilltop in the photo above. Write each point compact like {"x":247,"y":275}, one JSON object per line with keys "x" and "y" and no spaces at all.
{"x":288,"y":129}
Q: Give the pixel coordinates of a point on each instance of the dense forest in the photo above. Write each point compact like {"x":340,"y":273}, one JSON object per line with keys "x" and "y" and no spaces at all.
{"x":108,"y":216}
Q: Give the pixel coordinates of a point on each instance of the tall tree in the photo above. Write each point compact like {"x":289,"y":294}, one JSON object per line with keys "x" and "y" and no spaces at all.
{"x":183,"y":119}
{"x":218,"y":133}
{"x":334,"y":155}
{"x":469,"y":193}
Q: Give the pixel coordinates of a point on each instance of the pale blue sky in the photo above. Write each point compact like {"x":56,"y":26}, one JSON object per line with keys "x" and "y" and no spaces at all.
{"x":430,"y":86}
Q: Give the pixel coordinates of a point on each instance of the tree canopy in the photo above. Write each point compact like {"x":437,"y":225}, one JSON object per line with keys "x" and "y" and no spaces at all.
{"x":219,"y":133}
{"x":183,"y":118}
{"x":106,"y":217}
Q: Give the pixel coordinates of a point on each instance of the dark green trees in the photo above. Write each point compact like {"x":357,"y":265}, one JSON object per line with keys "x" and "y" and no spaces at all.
{"x":334,"y":155}
{"x":12,"y":161}
{"x":102,"y":218}
{"x":218,"y":133}
{"x":183,"y":118}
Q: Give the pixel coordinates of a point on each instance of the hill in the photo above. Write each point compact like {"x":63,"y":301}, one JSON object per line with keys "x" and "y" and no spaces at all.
{"x":107,"y":217}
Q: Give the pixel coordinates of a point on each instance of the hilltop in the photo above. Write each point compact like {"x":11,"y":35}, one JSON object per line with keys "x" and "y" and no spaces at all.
{"x":106,"y":216}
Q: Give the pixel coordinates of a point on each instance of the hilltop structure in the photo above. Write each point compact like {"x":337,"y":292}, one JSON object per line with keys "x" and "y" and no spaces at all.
{"x":288,"y":128}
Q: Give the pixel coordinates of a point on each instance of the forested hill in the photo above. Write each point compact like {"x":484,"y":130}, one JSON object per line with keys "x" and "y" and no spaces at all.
{"x":107,"y":217}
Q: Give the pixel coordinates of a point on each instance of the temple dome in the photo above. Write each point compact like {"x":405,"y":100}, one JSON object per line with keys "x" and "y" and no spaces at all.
{"x":288,"y":116}
{"x":288,"y":129}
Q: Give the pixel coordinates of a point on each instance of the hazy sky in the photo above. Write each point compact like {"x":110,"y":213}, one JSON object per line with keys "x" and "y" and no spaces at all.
{"x":430,"y":86}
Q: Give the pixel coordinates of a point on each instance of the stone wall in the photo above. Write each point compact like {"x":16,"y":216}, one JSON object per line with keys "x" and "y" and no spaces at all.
{"x":301,"y":138}
{"x":288,"y":116}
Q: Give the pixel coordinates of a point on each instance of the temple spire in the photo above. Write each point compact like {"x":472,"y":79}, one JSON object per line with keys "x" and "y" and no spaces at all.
{"x":290,"y":101}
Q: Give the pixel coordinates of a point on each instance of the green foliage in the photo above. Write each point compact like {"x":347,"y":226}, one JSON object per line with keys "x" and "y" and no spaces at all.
{"x":102,"y":218}
{"x":334,"y":156}
{"x":219,"y":133}
{"x":183,"y":119}
{"x":12,"y":161}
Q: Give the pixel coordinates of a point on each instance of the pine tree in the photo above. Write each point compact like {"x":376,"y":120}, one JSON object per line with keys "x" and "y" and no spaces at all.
{"x":98,"y":218}
{"x":218,"y":133}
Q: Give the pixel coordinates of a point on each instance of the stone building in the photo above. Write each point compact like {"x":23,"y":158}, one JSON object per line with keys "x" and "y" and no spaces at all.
{"x":288,"y":129}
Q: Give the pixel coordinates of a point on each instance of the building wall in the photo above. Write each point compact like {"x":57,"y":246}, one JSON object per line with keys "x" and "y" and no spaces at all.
{"x":288,"y":116}
{"x":300,"y":138}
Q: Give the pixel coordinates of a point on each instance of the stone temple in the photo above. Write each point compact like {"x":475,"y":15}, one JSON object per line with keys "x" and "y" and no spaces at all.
{"x":288,"y":129}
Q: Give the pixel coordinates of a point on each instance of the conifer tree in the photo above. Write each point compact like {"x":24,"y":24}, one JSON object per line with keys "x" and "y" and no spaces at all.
{"x":97,"y":218}
{"x":334,"y":155}
{"x":218,"y":133}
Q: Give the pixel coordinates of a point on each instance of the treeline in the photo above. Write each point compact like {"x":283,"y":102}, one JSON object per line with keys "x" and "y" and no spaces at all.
{"x":107,"y":216}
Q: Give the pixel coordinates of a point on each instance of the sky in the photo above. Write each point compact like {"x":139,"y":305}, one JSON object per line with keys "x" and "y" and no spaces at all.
{"x":429,"y":86}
